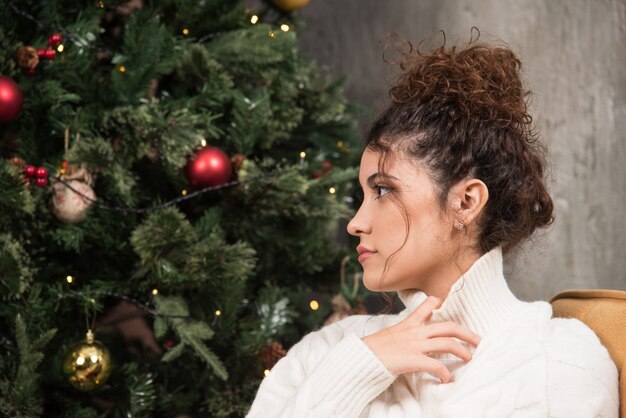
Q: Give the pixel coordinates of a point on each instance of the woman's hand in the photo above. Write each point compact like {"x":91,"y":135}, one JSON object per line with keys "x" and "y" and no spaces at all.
{"x":404,"y":347}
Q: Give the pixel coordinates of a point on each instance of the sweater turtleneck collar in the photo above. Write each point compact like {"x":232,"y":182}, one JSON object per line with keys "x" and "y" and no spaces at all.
{"x":479,"y":300}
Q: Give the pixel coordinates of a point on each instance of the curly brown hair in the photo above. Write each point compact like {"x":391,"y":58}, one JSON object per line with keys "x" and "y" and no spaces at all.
{"x":464,"y":112}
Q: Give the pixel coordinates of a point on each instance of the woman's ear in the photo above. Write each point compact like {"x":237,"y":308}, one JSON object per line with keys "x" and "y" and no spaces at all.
{"x":469,"y":199}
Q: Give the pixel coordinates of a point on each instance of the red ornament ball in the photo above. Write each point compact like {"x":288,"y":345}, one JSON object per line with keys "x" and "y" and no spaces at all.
{"x":41,"y":53}
{"x":11,"y":100}
{"x":30,"y":171}
{"x":55,"y":39}
{"x":50,"y":54}
{"x":209,"y":166}
{"x":41,"y":181}
{"x":41,"y":173}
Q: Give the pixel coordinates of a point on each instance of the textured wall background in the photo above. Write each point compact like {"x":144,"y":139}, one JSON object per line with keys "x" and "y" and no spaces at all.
{"x":574,"y":52}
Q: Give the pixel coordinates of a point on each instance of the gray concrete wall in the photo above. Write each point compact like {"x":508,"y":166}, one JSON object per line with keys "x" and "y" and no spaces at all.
{"x":574,"y":52}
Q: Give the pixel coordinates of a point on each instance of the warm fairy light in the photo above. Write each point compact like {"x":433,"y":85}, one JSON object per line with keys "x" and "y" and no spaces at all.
{"x":339,"y":144}
{"x":155,"y":292}
{"x":218,"y":312}
{"x":314,"y":305}
{"x":184,"y":192}
{"x":332,"y":190}
{"x":302,"y":154}
{"x":80,"y":360}
{"x":203,"y":142}
{"x":284,"y":27}
{"x":121,"y":69}
{"x":272,"y":34}
{"x":60,"y":48}
{"x":69,"y":279}
{"x":254,"y":19}
{"x":186,"y":31}
{"x":266,"y":372}
{"x":101,"y":4}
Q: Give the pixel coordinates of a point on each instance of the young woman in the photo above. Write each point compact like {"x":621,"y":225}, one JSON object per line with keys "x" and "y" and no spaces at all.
{"x":453,"y":177}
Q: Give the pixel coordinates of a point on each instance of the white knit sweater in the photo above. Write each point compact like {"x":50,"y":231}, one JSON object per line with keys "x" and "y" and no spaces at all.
{"x":526,"y":365}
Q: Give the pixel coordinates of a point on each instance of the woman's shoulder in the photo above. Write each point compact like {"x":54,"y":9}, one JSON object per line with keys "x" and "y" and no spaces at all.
{"x":316,"y":344}
{"x":359,"y":325}
{"x":557,"y":333}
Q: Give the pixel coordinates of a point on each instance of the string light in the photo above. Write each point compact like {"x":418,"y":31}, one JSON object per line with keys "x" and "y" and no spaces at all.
{"x":69,"y":279}
{"x":155,"y":292}
{"x":101,"y":4}
{"x":121,"y":69}
{"x":80,"y":361}
{"x":184,"y":192}
{"x":302,"y":154}
{"x":186,"y":31}
{"x":60,"y":48}
{"x":203,"y":142}
{"x":272,"y":34}
{"x":266,"y":372}
{"x":254,"y":19}
{"x":218,"y":312}
{"x":332,"y":190}
{"x":284,"y":27}
{"x":314,"y":305}
{"x":340,"y":144}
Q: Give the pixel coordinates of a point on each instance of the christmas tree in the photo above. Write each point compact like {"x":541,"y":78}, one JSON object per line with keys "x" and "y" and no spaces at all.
{"x":173,"y":174}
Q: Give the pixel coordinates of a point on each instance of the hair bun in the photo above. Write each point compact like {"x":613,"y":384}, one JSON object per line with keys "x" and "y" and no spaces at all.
{"x":482,"y":81}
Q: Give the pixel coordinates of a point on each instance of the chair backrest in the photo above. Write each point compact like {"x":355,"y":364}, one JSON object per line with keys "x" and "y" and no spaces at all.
{"x":604,"y":311}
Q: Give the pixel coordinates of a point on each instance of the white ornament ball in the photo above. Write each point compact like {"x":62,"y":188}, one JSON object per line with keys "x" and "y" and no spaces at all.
{"x":68,"y":206}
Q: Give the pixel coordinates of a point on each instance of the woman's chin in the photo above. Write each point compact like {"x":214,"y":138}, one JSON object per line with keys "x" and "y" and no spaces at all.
{"x":372,"y":282}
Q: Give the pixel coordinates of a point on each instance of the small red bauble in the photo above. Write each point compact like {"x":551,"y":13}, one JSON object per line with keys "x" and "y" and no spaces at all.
{"x":55,"y":39}
{"x":30,"y":72}
{"x":41,"y":53}
{"x":30,"y":170}
{"x":327,"y":166}
{"x":41,"y":181}
{"x":11,"y":100}
{"x":209,"y":166}
{"x":41,"y":173}
{"x":316,"y":175}
{"x":50,"y":54}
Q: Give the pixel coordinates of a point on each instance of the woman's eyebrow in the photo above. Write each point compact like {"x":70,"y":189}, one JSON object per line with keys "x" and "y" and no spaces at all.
{"x":371,"y":178}
{"x":374,"y":176}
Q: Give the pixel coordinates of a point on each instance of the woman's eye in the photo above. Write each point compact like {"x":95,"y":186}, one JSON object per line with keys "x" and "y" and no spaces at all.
{"x":381,"y":191}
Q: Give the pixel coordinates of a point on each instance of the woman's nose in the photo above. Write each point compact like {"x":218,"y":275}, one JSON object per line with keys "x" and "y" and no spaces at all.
{"x":358,"y":224}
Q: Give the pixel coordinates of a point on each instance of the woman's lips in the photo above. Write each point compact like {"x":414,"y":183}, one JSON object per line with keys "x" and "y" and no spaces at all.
{"x":365,"y":255}
{"x":364,"y":252}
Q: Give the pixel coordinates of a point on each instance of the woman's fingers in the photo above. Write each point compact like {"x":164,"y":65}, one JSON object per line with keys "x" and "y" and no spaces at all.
{"x":429,"y":364}
{"x":452,"y":329}
{"x":425,"y":310}
{"x":445,"y":345}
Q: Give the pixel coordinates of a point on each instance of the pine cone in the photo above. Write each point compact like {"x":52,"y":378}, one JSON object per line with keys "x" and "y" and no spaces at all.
{"x":17,"y":162}
{"x":237,"y":160}
{"x":27,"y":57}
{"x":273,"y":352}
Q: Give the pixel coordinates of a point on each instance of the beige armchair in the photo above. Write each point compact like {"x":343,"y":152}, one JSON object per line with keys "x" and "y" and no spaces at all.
{"x":604,"y":311}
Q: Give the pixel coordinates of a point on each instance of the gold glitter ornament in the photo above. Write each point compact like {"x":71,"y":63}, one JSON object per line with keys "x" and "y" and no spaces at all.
{"x":87,"y":364}
{"x":290,"y":5}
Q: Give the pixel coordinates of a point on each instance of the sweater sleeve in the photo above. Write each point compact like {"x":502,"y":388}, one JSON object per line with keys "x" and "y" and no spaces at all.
{"x":582,"y":378}
{"x":340,"y":384}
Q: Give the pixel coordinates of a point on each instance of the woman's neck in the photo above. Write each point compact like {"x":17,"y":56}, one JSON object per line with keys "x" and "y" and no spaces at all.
{"x":440,"y":283}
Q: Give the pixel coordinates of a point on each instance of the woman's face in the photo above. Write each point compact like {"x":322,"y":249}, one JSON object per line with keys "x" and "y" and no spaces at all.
{"x":382,"y":227}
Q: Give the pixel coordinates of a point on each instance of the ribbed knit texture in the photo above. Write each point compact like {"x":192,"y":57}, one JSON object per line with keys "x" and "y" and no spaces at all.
{"x":527,"y":364}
